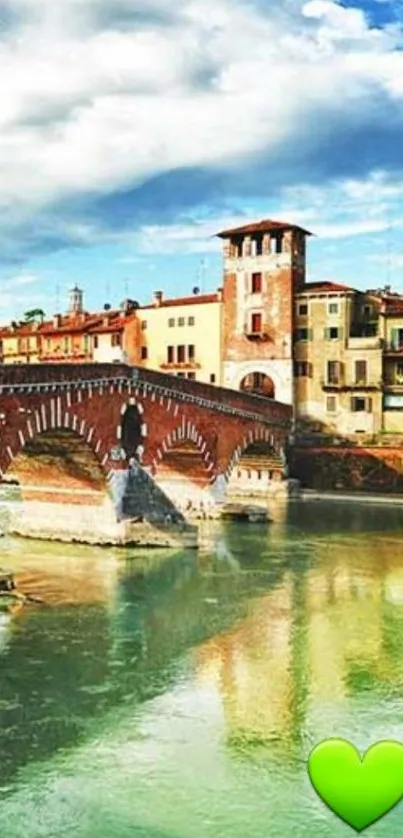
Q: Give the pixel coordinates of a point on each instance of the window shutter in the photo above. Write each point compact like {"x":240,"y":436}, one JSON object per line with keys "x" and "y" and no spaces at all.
{"x":394,"y":338}
{"x":327,"y":334}
{"x":369,"y":405}
{"x":310,"y":334}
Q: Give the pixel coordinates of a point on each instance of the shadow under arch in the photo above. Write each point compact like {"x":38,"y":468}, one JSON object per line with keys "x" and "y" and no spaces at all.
{"x":59,"y":459}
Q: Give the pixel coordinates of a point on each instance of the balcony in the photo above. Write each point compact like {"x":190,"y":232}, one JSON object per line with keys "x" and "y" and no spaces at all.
{"x":393,"y":349}
{"x":364,"y":342}
{"x":263,"y":334}
{"x":343,"y":386}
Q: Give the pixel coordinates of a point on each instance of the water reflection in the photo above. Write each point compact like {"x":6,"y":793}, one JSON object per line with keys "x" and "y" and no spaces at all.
{"x":265,"y":642}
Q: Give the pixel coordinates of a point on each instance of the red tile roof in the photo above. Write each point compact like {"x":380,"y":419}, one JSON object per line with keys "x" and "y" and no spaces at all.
{"x":324,"y":288}
{"x":185,"y":301}
{"x":264,"y":226}
{"x":392,"y":306}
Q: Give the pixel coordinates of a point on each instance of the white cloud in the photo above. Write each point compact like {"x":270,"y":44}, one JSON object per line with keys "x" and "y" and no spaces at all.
{"x":86,"y":110}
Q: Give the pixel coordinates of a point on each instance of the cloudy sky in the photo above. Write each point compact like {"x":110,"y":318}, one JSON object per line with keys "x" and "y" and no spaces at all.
{"x":133,"y":130}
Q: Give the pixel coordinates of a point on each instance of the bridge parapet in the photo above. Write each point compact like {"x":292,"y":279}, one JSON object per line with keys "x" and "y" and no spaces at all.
{"x":38,"y":378}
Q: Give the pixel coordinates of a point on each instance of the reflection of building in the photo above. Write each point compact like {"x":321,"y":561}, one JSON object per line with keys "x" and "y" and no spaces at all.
{"x":318,"y":639}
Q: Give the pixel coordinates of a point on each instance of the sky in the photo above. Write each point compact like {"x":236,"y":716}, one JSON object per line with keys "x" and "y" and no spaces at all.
{"x":132,"y":131}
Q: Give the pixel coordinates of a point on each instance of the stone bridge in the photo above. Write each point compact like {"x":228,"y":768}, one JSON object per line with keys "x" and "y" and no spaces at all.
{"x":107,"y":444}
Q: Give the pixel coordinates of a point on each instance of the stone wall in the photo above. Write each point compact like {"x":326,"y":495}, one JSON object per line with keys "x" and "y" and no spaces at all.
{"x":370,"y":468}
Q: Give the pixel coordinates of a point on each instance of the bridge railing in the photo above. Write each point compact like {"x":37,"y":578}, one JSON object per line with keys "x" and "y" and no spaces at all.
{"x":26,"y":376}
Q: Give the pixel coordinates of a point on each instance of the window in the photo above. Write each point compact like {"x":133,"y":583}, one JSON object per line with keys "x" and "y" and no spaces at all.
{"x":360,"y":376}
{"x":191,"y":375}
{"x":399,"y":374}
{"x":191,"y":352}
{"x":191,"y":321}
{"x":396,"y":338}
{"x":181,"y":354}
{"x":256,"y":283}
{"x":331,"y":404}
{"x":170,"y":354}
{"x":212,"y":378}
{"x":144,"y":325}
{"x":332,"y":308}
{"x":116,"y":339}
{"x":181,"y":321}
{"x":259,"y":246}
{"x":332,"y":333}
{"x":95,"y":341}
{"x":171,"y":321}
{"x":302,"y":309}
{"x":256,"y":322}
{"x":86,"y":343}
{"x":66,"y":345}
{"x":48,"y":344}
{"x":180,"y":375}
{"x":303,"y":369}
{"x":276,"y":244}
{"x":360,"y":405}
{"x":144,"y":353}
{"x":303,"y":334}
{"x":259,"y":474}
{"x":333,"y":372}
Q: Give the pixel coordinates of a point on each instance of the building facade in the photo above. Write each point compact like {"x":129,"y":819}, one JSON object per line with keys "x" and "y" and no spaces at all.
{"x":334,"y":353}
{"x":264,"y":266}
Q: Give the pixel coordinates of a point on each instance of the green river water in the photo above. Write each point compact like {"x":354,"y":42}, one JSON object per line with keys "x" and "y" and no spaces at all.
{"x":178,"y":694}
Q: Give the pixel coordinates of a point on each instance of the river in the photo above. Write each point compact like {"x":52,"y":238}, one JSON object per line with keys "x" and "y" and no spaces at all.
{"x":178,"y":694}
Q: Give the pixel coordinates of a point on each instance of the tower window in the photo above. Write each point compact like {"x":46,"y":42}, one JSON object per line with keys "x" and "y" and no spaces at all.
{"x":276,"y":244}
{"x":256,"y":322}
{"x":256,"y":283}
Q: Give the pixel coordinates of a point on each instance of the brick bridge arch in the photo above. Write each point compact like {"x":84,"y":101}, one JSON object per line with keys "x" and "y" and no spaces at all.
{"x":258,"y":434}
{"x":92,"y":400}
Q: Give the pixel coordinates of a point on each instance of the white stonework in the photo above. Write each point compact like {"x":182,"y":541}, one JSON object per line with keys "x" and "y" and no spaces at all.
{"x":280,"y":371}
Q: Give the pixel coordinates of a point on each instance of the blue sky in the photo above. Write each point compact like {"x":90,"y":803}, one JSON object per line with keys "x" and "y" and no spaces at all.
{"x":133,"y":130}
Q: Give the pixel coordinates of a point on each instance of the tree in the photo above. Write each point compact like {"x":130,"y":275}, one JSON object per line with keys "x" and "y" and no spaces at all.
{"x":34,"y":314}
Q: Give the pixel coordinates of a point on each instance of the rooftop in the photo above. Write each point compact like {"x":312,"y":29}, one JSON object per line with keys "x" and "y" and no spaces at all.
{"x":264,"y":226}
{"x":194,"y":299}
{"x":325,"y":288}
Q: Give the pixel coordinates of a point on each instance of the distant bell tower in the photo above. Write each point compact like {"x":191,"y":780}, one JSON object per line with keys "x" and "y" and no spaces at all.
{"x":75,"y":301}
{"x":264,"y":267}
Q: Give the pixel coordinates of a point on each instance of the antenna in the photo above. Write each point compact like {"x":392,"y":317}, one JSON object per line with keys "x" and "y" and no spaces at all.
{"x":57,"y":298}
{"x":388,"y":270}
{"x":107,"y":290}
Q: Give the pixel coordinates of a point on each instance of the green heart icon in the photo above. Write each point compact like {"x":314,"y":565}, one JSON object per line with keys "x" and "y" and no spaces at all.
{"x":359,"y":791}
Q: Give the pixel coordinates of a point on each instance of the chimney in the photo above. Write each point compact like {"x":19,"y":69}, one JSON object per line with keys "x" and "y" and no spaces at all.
{"x":105,"y":321}
{"x":158,"y":297}
{"x":57,"y":320}
{"x":219,"y":294}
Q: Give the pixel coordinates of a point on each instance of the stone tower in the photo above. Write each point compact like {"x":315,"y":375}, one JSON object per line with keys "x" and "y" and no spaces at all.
{"x":75,"y":301}
{"x":264,"y":266}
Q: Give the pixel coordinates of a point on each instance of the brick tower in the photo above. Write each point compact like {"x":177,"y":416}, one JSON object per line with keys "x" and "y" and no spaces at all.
{"x":264,"y":266}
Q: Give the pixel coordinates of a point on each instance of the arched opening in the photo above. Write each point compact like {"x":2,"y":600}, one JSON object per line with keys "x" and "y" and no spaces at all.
{"x":184,"y":475}
{"x":58,"y":462}
{"x":131,"y":432}
{"x":257,"y":468}
{"x":258,"y":383}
